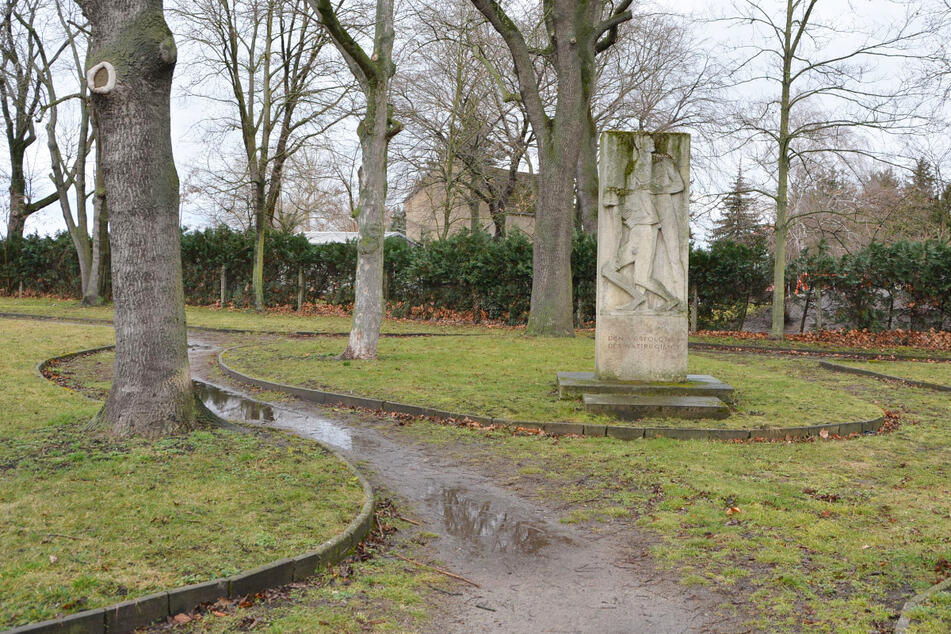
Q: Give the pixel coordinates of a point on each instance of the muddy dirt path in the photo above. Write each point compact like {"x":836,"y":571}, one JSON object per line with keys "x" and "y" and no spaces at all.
{"x":535,"y":574}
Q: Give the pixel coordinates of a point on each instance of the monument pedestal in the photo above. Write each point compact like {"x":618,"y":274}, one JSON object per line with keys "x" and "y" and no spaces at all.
{"x":641,"y":346}
{"x":697,"y":396}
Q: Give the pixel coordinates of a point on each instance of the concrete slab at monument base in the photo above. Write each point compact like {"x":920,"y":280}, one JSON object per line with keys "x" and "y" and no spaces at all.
{"x":699,"y":396}
{"x":575,"y":384}
{"x":633,"y":407}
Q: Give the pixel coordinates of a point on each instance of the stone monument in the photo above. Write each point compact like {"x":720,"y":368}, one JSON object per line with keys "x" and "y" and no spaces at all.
{"x":643,"y":240}
{"x":642,"y":321}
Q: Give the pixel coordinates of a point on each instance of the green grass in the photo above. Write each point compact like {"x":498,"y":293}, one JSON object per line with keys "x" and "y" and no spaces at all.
{"x":86,"y":521}
{"x":832,"y":536}
{"x":513,"y":376}
{"x":381,"y":594}
{"x":240,"y":319}
{"x":939,"y":373}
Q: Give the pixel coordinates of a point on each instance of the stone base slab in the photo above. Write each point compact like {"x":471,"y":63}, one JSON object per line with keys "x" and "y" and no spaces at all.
{"x":633,"y":407}
{"x":575,"y":384}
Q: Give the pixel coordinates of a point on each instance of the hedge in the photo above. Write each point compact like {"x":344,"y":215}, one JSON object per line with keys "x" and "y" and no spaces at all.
{"x":882,"y":286}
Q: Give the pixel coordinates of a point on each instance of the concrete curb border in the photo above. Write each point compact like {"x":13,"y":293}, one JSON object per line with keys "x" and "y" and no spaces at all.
{"x":554,"y":428}
{"x":835,"y":367}
{"x":238,"y":331}
{"x":130,"y":615}
{"x":904,"y":621}
{"x":729,"y":347}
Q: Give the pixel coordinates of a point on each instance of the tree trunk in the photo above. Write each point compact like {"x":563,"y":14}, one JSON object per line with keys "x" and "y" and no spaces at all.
{"x":551,"y":305}
{"x":805,"y":311}
{"x":18,"y":209}
{"x":151,"y":393}
{"x":588,"y":177}
{"x":257,"y":274}
{"x":300,"y":289}
{"x":474,"y":224}
{"x":368,"y":287}
{"x":695,"y":309}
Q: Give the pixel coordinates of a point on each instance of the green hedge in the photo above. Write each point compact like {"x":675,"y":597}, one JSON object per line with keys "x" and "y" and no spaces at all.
{"x":881,"y":287}
{"x":906,"y":284}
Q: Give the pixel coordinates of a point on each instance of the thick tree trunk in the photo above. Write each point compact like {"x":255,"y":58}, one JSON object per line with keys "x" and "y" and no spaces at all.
{"x":551,"y":305}
{"x":151,"y":393}
{"x":588,"y":177}
{"x":368,"y":287}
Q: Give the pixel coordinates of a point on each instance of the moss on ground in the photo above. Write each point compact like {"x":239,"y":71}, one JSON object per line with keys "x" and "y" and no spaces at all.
{"x":513,"y":376}
{"x":88,"y":521}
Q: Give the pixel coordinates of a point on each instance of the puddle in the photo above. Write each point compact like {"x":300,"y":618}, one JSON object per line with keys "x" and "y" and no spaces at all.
{"x":232,"y":406}
{"x":475,"y":521}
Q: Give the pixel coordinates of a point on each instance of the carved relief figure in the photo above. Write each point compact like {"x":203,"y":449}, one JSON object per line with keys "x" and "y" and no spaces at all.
{"x":644,"y":214}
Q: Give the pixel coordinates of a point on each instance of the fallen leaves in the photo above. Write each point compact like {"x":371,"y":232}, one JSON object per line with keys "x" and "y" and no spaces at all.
{"x":860,"y":339}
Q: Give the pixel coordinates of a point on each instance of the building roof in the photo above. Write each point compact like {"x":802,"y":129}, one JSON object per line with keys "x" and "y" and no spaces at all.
{"x":332,"y":237}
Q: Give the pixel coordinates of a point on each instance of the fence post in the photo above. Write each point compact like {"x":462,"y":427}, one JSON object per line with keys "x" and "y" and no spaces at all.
{"x":695,"y":308}
{"x":224,"y":284}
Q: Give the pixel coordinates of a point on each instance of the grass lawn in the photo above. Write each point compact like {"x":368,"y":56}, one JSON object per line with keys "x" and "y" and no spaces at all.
{"x":237,"y":318}
{"x":512,"y":376}
{"x":939,"y":373}
{"x":87,"y":521}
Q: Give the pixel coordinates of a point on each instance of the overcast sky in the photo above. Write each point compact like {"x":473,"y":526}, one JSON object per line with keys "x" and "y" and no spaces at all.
{"x":191,"y":147}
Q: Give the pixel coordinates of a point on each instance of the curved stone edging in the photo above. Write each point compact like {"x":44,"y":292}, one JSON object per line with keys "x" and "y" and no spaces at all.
{"x":239,"y":331}
{"x":553,"y":428}
{"x":835,"y":367}
{"x":729,"y":347}
{"x":130,"y":615}
{"x":904,"y":621}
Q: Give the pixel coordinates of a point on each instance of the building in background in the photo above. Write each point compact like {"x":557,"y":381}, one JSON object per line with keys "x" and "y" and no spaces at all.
{"x":432,"y":212}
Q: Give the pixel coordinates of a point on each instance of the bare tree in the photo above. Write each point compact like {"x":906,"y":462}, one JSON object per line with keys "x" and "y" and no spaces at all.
{"x":20,"y":102}
{"x":827,"y":80}
{"x":69,"y":169}
{"x":268,"y":52}
{"x":465,"y":139}
{"x":373,"y":73}
{"x":575,"y":32}
{"x":131,"y":60}
{"x":656,"y":78}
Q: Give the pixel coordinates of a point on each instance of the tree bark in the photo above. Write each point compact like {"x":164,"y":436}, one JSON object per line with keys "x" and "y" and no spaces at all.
{"x":152,"y":392}
{"x":373,"y":74}
{"x":368,"y":287}
{"x":588,"y":185}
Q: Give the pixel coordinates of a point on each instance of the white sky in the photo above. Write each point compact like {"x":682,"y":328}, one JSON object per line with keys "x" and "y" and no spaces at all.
{"x":188,"y":112}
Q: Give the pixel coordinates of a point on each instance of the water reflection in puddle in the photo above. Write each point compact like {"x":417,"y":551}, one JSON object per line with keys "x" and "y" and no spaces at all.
{"x":477,"y":522}
{"x":467,"y":517}
{"x":232,"y":406}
